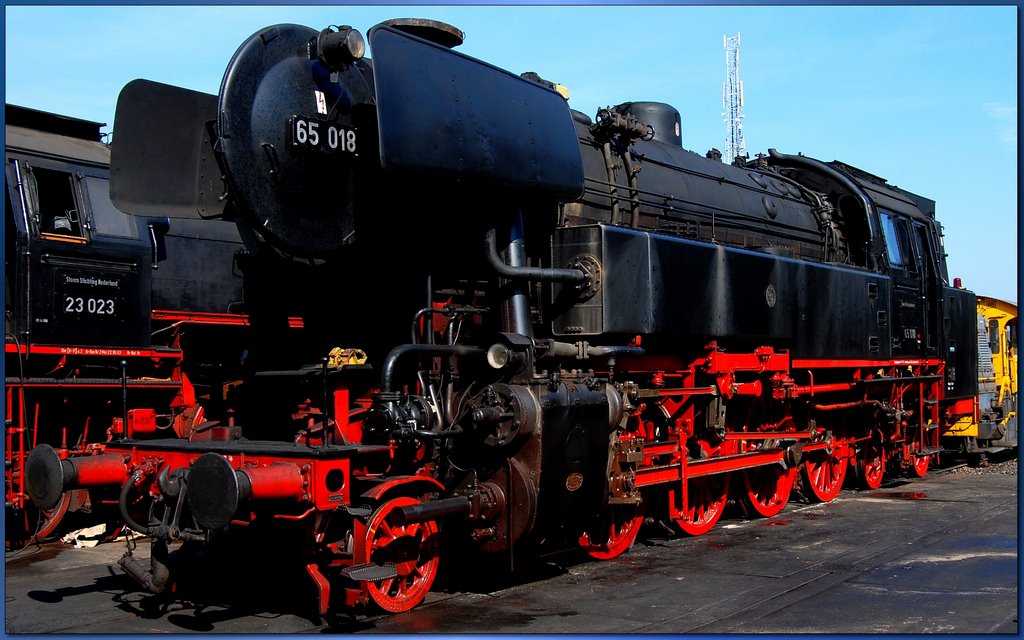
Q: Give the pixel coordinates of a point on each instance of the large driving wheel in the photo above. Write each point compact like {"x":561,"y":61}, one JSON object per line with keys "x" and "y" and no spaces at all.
{"x":823,"y":473}
{"x":618,"y":528}
{"x":767,"y":489}
{"x":705,"y":502}
{"x":412,"y":550}
{"x":871,"y":464}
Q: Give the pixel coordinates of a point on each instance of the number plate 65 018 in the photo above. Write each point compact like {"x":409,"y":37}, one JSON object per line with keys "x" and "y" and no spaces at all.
{"x":320,"y":135}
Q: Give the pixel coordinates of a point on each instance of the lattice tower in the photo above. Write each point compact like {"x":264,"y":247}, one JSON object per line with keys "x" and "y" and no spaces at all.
{"x":732,"y":100}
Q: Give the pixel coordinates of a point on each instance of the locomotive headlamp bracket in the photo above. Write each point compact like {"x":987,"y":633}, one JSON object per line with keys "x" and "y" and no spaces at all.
{"x":498,"y":355}
{"x":336,"y":49}
{"x":511,"y":353}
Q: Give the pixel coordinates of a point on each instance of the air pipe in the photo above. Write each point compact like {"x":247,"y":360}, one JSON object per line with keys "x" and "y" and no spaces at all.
{"x":820,"y":167}
{"x":537,"y":274}
{"x":404,"y":350}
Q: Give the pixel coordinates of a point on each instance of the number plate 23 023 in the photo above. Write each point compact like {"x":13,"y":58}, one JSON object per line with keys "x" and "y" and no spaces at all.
{"x":320,"y":135}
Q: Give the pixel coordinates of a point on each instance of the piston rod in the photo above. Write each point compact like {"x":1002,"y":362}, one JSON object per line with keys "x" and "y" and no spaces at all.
{"x":425,"y":511}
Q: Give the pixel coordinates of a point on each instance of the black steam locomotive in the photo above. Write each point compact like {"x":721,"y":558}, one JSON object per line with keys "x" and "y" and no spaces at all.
{"x":569,"y":325}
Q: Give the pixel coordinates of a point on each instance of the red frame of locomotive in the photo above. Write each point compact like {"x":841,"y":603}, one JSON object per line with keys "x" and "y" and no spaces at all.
{"x":307,"y":487}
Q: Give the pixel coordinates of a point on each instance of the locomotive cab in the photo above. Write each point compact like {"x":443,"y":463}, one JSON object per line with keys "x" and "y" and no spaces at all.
{"x":78,"y":284}
{"x":91,"y":284}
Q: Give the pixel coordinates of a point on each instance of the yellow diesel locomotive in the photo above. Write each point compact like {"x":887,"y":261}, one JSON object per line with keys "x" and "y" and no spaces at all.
{"x":994,"y":426}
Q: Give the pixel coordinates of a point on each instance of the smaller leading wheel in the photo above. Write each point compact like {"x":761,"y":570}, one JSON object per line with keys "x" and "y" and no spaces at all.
{"x":823,"y":473}
{"x":871,"y":464}
{"x":411,"y":548}
{"x":919,"y":465}
{"x":31,"y":524}
{"x":50,"y":519}
{"x":706,"y":498}
{"x":767,"y":489}
{"x":620,"y":524}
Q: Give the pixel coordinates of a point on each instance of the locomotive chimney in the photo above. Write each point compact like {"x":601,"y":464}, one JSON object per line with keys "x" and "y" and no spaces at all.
{"x":434,"y":31}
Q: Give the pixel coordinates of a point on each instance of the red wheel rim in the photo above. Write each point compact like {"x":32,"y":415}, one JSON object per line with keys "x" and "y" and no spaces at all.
{"x":31,"y":524}
{"x":767,"y":489}
{"x":872,"y":464}
{"x":920,"y":466}
{"x":823,"y":473}
{"x":50,"y":519}
{"x":705,"y":503}
{"x":624,"y":525}
{"x":411,"y":548}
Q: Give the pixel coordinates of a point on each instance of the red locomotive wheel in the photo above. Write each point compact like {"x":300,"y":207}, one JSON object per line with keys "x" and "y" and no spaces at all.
{"x":919,"y":468}
{"x":706,"y":500}
{"x":767,"y":488}
{"x":49,"y":520}
{"x":823,"y":474}
{"x":624,"y":524}
{"x":31,"y":524}
{"x":411,"y":548}
{"x":871,"y":464}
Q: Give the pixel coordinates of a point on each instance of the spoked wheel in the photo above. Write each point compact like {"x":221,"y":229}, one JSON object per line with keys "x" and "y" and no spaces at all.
{"x":41,"y":524}
{"x":767,"y":489}
{"x":50,"y":519}
{"x":410,"y":548}
{"x":618,"y":529}
{"x":30,"y":524}
{"x":919,"y":468}
{"x":823,"y":474}
{"x":871,"y":464}
{"x":705,"y":502}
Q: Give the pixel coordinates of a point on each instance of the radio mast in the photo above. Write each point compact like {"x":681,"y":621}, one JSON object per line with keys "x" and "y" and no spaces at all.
{"x":732,"y":100}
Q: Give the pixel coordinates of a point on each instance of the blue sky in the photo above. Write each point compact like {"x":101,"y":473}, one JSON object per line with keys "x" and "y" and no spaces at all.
{"x":925,"y":96}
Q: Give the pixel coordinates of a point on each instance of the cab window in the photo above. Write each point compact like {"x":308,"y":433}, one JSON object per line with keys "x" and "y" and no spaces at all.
{"x":898,"y":243}
{"x":54,"y":205}
{"x":108,"y":219}
{"x":892,"y":243}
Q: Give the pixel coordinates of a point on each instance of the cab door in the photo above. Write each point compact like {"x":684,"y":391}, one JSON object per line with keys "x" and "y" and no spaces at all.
{"x":923,"y":241}
{"x":908,"y":305}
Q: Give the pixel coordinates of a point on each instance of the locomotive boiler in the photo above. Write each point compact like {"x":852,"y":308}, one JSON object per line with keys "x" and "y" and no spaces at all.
{"x":571,"y":324}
